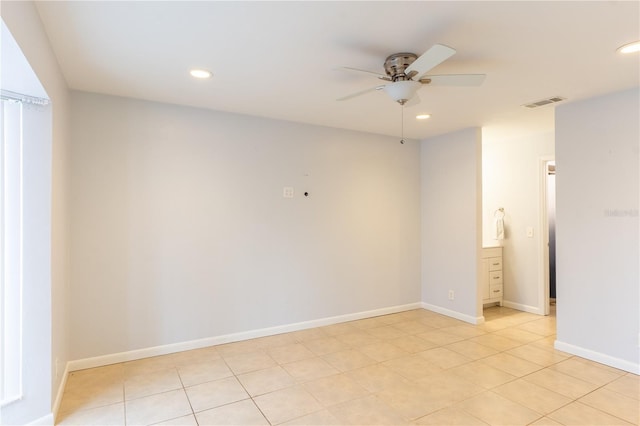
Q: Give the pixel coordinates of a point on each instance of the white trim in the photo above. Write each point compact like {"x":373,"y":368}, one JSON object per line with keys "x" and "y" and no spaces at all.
{"x":479,"y":229}
{"x":43,"y":421}
{"x":522,"y":307}
{"x":98,"y":361}
{"x":453,"y":314}
{"x":21,"y":259}
{"x":60,"y":393}
{"x":598,"y":357}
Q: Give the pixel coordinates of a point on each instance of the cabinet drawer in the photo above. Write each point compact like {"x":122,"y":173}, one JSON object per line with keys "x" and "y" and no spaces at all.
{"x":495,"y":264}
{"x":495,"y":290}
{"x":495,"y":277}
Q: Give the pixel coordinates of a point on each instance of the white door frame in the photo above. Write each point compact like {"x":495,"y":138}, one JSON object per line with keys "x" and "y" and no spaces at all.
{"x":543,"y":257}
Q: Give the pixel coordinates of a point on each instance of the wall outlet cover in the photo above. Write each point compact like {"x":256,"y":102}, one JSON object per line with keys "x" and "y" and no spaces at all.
{"x":287,"y":192}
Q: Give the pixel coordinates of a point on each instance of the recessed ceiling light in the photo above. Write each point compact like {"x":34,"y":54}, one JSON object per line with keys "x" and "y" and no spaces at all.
{"x":629,"y":48}
{"x":198,"y":73}
{"x":423,"y":116}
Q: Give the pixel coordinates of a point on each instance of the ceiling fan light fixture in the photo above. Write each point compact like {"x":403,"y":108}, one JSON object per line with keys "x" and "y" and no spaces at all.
{"x":423,"y":116}
{"x":629,"y":48}
{"x":402,"y":91}
{"x":200,"y":73}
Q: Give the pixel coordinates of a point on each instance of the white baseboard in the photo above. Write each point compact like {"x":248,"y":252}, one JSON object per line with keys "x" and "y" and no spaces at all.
{"x":43,"y":421}
{"x":98,"y":361}
{"x":58,"y":400}
{"x":454,"y":314}
{"x":598,"y":357}
{"x":522,"y":307}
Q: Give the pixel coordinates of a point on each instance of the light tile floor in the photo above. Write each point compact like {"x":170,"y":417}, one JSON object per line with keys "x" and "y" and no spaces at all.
{"x":414,"y":367}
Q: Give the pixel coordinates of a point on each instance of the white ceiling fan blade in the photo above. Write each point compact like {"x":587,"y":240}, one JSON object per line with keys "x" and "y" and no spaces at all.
{"x":362,"y":92}
{"x":349,"y":69}
{"x":454,"y":80}
{"x":430,"y":59}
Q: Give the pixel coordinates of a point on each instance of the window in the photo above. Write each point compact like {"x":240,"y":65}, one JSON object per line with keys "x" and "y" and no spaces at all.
{"x":11,"y":251}
{"x":26,"y":146}
{"x":12,"y":113}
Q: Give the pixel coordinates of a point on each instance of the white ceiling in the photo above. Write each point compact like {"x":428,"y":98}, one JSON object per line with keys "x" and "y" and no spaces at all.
{"x":278,"y":59}
{"x":19,"y":77}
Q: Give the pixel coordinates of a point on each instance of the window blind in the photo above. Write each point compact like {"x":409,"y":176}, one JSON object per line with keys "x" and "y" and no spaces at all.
{"x":11,"y":270}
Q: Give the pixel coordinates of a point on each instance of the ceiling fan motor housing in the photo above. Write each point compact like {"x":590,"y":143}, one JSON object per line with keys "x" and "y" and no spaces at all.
{"x":396,"y":64}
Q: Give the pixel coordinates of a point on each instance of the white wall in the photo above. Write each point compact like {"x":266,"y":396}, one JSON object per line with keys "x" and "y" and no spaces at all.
{"x":180,"y":230}
{"x":597,"y":183}
{"x":511,"y":179}
{"x":48,"y":337}
{"x":451,"y":188}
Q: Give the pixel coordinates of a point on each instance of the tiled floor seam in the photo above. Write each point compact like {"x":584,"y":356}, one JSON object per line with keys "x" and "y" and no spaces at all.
{"x":184,"y":389}
{"x":573,"y":400}
{"x":588,"y":405}
{"x":596,"y":408}
{"x":251,"y":397}
{"x":124,"y":403}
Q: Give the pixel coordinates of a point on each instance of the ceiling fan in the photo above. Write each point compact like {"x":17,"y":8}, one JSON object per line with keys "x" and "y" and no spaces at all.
{"x":407,"y":72}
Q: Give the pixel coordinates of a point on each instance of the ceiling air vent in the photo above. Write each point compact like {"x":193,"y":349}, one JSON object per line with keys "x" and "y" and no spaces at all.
{"x":544,"y":102}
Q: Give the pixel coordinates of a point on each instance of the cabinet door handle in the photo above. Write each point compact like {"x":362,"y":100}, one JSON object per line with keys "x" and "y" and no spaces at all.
{"x":496,"y":291}
{"x":495,"y":264}
{"x":496,"y":278}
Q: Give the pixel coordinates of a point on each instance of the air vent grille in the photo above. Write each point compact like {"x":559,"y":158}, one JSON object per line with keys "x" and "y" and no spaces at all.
{"x":544,"y":102}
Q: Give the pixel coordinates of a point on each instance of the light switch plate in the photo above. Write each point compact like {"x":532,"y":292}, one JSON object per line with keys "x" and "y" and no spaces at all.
{"x":529,"y":232}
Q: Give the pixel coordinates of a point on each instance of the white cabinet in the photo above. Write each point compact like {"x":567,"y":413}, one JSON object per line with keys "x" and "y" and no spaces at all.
{"x":491,"y":278}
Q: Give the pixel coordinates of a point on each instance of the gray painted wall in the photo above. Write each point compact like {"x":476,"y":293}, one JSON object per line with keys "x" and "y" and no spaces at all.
{"x":597,"y":183}
{"x":180,"y":230}
{"x":451,"y":192}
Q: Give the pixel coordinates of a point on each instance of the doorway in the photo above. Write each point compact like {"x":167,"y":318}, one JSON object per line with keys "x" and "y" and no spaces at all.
{"x":548,"y":226}
{"x":551,"y":225}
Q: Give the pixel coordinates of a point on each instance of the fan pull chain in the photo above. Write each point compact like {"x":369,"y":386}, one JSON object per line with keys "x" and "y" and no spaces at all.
{"x":402,"y":124}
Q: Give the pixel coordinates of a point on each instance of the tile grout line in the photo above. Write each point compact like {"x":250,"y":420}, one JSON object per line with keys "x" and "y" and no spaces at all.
{"x":249,"y":394}
{"x":184,"y":389}
{"x":124,"y":397}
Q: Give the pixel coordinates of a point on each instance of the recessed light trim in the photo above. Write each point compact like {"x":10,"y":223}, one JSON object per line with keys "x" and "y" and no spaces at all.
{"x":423,"y":116}
{"x":629,"y":48}
{"x":200,"y":73}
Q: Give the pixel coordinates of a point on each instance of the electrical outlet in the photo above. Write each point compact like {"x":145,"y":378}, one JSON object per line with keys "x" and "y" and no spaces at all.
{"x":287,"y":192}
{"x":452,"y":295}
